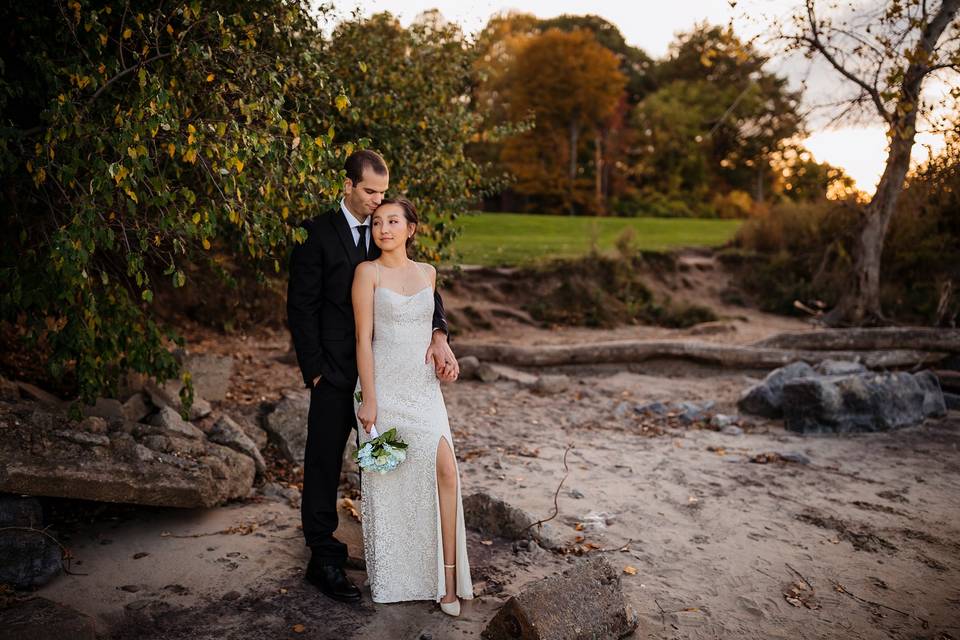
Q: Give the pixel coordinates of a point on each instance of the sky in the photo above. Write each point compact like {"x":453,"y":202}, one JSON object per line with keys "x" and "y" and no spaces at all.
{"x":860,"y":148}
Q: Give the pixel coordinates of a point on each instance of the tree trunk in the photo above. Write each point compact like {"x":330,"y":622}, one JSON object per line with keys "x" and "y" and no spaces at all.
{"x":574,"y":139}
{"x":723,"y":355}
{"x":598,"y":161}
{"x":861,"y":303}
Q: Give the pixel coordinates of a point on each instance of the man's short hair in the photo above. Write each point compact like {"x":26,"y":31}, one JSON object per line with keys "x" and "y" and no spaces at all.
{"x":359,"y":161}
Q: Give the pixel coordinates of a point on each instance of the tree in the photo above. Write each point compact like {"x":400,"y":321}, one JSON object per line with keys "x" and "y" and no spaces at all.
{"x":886,"y":57}
{"x":571,"y":84}
{"x":717,"y":118}
{"x":408,"y":91}
{"x":140,"y":140}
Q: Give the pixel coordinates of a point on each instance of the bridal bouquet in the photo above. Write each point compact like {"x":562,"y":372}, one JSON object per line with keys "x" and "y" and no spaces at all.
{"x":382,"y":453}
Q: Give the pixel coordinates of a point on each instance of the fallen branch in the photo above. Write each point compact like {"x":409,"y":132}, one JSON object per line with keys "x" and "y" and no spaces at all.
{"x":556,"y":494}
{"x":868,"y":339}
{"x":733,"y":356}
{"x":842,"y":589}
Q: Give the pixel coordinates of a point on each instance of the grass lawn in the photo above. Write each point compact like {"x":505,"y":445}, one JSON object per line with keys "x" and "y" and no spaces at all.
{"x":499,"y":239}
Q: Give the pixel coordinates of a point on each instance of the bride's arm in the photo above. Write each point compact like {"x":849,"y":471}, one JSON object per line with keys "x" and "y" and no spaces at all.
{"x":362,"y":294}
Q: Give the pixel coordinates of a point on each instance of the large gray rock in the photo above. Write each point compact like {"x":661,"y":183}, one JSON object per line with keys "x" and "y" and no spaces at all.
{"x":209,"y":372}
{"x":468,"y":367}
{"x":860,"y":402}
{"x":287,"y":425}
{"x":168,"y":395}
{"x":28,"y":557}
{"x":584,"y":602}
{"x":228,"y":433}
{"x":493,"y":516}
{"x":170,"y":423}
{"x":42,"y":453}
{"x":765,"y":399}
{"x":42,"y":619}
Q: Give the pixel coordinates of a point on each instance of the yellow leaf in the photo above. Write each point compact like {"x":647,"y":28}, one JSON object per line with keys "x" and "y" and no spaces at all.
{"x":348,"y":148}
{"x":233,"y":215}
{"x":190,"y":156}
{"x":285,"y":212}
{"x":210,"y":77}
{"x":318,"y":142}
{"x":103,"y":39}
{"x":171,"y":149}
{"x":121,"y":174}
{"x":294,"y":129}
{"x":363,"y":67}
{"x":239,"y":165}
{"x":196,"y":218}
{"x":630,"y":571}
{"x":133,"y":196}
{"x":342,"y":102}
{"x":170,"y":29}
{"x":206,"y":243}
{"x":127,"y":33}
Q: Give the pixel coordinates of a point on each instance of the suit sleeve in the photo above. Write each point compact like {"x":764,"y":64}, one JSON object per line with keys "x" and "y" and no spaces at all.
{"x":304,"y":298}
{"x":439,"y":317}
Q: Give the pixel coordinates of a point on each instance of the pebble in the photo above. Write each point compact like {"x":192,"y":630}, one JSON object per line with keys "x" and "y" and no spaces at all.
{"x":732,"y":430}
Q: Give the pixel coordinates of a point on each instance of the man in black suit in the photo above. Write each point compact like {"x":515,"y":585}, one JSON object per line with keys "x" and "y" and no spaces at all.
{"x":320,"y":317}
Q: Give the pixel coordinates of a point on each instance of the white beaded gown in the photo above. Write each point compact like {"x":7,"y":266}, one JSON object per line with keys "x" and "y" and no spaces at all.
{"x":400,"y":510}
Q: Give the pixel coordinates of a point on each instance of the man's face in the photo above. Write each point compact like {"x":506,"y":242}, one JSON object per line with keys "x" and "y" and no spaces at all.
{"x":364,"y":197}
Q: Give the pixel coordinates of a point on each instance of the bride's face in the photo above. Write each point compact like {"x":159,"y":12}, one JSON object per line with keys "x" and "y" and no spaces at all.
{"x":390,"y":228}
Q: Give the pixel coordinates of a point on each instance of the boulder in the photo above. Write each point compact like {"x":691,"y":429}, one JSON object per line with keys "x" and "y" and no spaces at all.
{"x":522,"y":378}
{"x":107,"y":408}
{"x":492,"y":516}
{"x":838,"y":367}
{"x":860,"y":402}
{"x":41,"y":619}
{"x":486,"y":372}
{"x":43,"y":454}
{"x":136,"y":408}
{"x":550,"y":384}
{"x":765,"y":399}
{"x":468,"y":367}
{"x":228,"y":433}
{"x":170,"y":423}
{"x":287,"y":426}
{"x":584,"y":602}
{"x":28,"y":557}
{"x":952,"y":401}
{"x":33,"y":392}
{"x":168,"y":395}
{"x":210,"y":373}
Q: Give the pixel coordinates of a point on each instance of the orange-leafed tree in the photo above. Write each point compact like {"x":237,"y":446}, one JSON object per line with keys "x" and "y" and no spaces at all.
{"x":571,"y":85}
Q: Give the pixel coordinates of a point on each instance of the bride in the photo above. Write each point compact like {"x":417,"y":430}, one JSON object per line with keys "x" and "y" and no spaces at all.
{"x":413,"y":531}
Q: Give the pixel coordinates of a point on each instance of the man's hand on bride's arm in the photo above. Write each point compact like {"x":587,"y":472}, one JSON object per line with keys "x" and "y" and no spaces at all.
{"x":367,"y":414}
{"x":441,"y":356}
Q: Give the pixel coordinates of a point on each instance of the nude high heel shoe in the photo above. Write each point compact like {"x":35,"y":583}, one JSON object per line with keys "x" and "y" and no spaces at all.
{"x":451,"y":608}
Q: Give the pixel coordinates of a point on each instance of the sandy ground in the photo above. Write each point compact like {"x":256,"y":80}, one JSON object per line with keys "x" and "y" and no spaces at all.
{"x":862,"y":542}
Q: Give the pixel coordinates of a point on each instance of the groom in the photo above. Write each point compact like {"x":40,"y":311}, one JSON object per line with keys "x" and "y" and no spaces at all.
{"x":320,"y":317}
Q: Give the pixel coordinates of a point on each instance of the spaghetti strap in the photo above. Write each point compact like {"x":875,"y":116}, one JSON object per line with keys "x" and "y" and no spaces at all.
{"x":420,"y":268}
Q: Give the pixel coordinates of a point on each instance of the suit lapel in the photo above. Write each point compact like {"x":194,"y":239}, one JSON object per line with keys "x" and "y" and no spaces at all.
{"x":346,"y":236}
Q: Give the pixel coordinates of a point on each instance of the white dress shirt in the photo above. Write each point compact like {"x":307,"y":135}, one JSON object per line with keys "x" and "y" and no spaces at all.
{"x":354,"y":224}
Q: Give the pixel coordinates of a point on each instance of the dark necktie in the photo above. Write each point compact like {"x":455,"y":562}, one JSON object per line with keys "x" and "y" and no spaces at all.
{"x":362,"y":245}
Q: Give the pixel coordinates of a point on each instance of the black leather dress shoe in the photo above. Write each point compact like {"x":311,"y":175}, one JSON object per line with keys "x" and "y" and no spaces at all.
{"x":332,"y":582}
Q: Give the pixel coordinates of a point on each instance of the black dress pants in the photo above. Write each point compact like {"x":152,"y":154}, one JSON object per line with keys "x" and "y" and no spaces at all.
{"x":329,"y":422}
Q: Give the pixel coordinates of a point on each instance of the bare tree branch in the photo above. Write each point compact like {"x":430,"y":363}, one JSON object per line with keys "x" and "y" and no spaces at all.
{"x":815,"y":42}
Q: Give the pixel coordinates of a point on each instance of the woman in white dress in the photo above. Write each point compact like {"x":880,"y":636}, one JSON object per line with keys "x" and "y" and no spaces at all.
{"x":412,"y":517}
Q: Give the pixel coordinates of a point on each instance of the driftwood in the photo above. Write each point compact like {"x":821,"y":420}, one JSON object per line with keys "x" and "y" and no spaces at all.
{"x":868,"y":339}
{"x":734,"y":356}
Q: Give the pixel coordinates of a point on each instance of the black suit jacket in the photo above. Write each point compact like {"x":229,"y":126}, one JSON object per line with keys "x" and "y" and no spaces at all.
{"x":319,"y":308}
